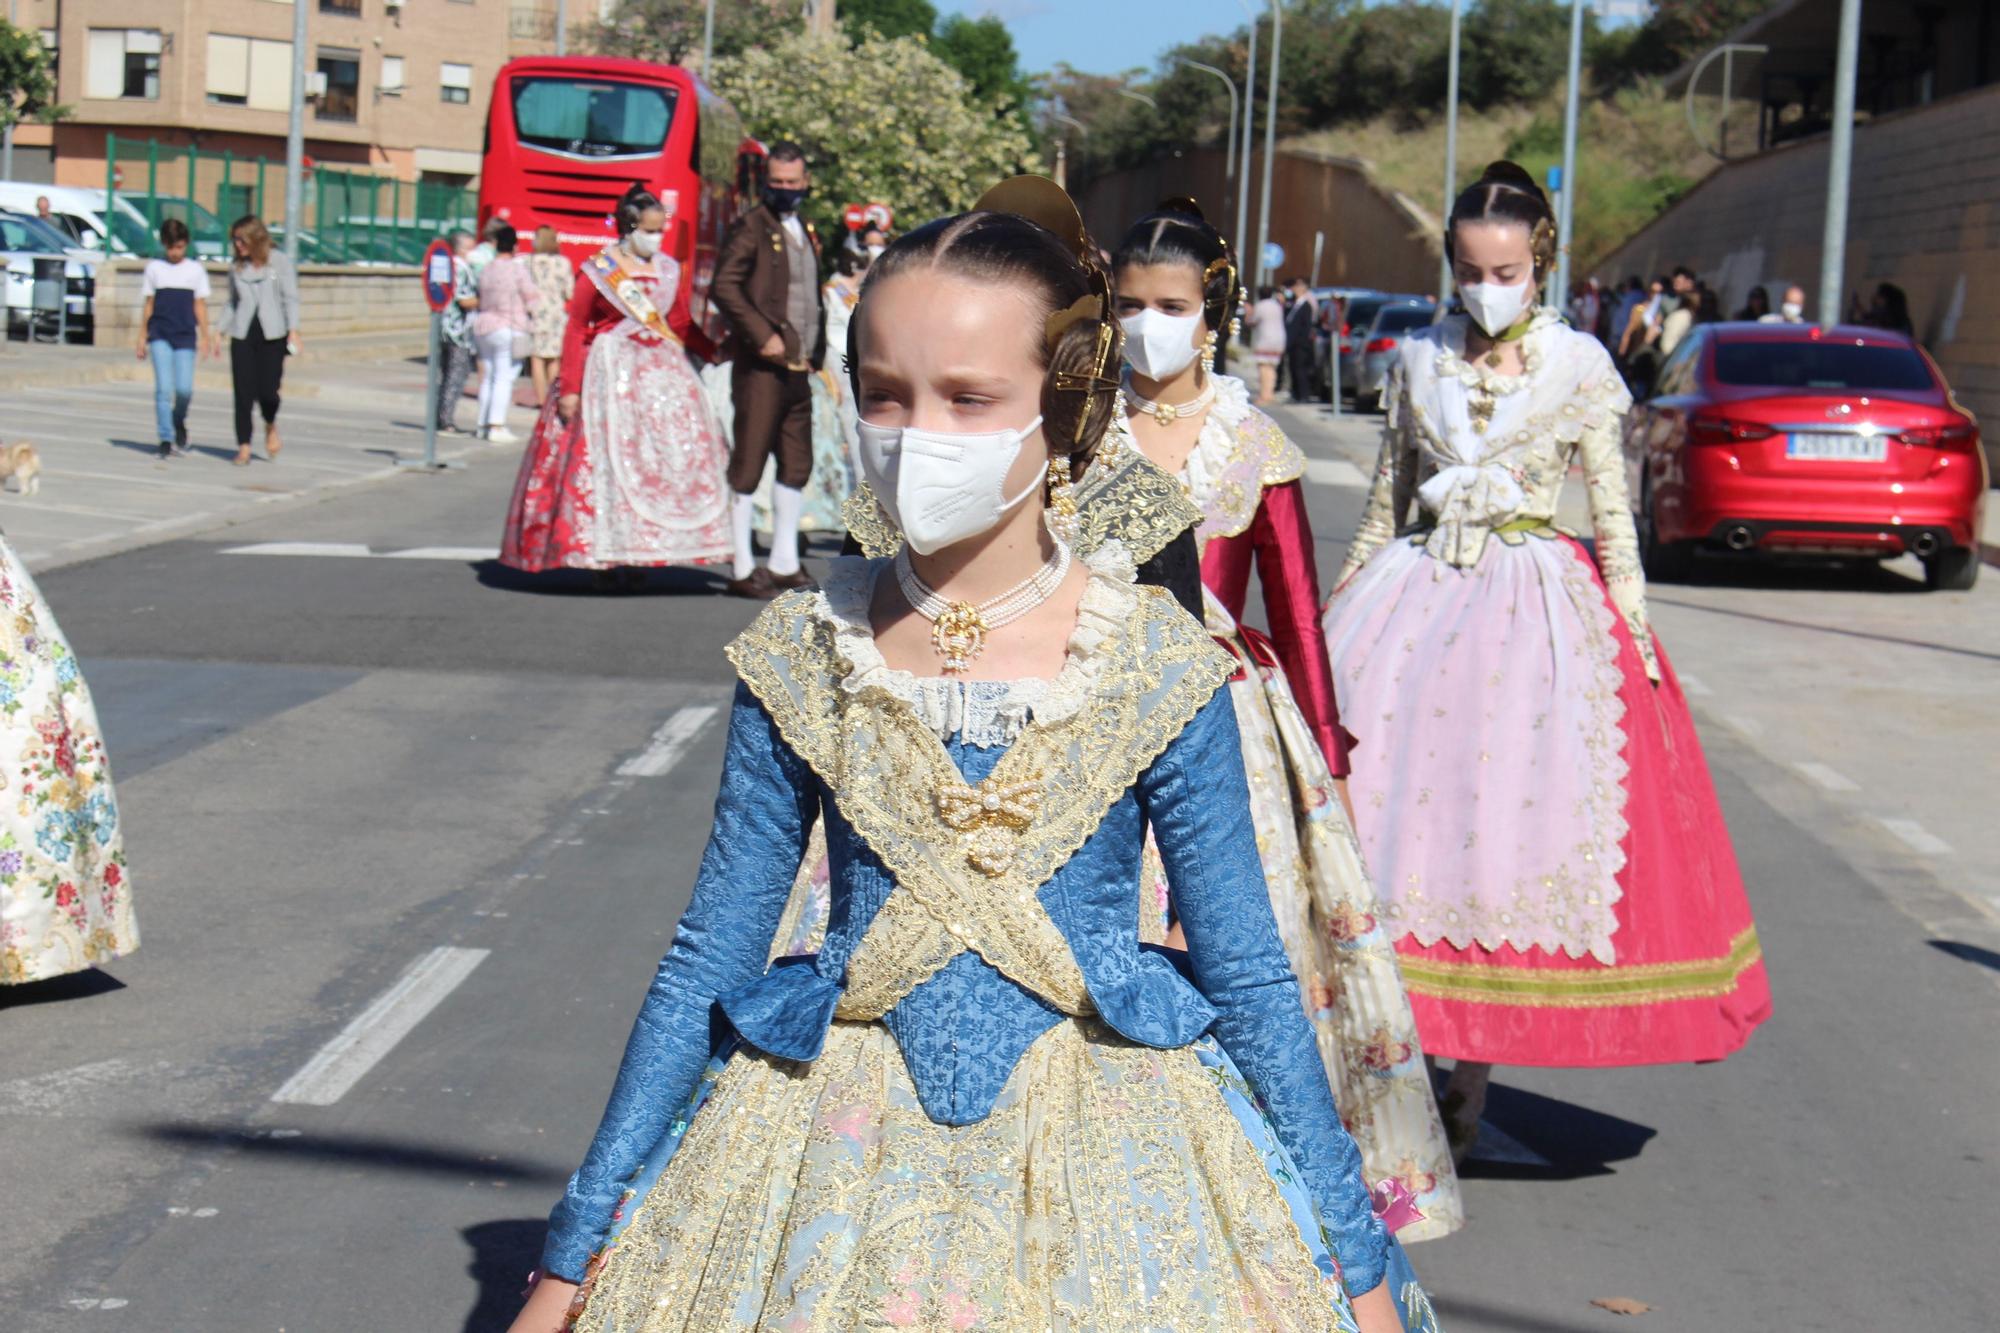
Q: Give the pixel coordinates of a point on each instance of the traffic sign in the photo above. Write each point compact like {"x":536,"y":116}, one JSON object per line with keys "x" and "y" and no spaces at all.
{"x":1274,"y":255}
{"x":437,"y":276}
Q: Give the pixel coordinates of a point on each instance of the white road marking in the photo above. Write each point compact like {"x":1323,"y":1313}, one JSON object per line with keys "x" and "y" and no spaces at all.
{"x":1749,"y":727}
{"x":1826,"y":777}
{"x":1917,"y":838}
{"x":341,"y":549}
{"x":459,"y":553}
{"x":66,"y":1089}
{"x":1495,"y":1144}
{"x":1693,"y":687}
{"x":98,"y":1303}
{"x":1334,"y":472}
{"x":668,"y":743}
{"x":375,"y":1031}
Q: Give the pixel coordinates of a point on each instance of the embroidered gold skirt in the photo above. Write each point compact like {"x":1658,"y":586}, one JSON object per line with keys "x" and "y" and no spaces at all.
{"x":1113,"y":1187}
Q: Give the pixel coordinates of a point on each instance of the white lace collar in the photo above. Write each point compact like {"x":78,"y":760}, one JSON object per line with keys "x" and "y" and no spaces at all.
{"x":1475,"y":373}
{"x":1109,"y":595}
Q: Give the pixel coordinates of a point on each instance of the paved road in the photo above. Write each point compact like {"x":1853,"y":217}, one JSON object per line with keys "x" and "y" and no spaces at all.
{"x":408,"y":838}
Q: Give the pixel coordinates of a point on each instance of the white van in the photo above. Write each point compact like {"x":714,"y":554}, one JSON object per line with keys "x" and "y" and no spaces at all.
{"x":81,"y":212}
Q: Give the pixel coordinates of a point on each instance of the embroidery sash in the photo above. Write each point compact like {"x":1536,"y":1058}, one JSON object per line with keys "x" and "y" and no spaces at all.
{"x":969,"y":861}
{"x":627,"y":297}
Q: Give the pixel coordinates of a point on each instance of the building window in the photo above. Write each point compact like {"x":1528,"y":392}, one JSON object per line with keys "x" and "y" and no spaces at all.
{"x":342,"y":72}
{"x":392,"y":75}
{"x":124,"y":62}
{"x":349,"y":8}
{"x":249,"y":71}
{"x":455,"y":82}
{"x":49,"y":43}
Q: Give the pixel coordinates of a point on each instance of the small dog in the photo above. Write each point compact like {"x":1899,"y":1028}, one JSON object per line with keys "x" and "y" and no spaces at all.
{"x":23,"y":463}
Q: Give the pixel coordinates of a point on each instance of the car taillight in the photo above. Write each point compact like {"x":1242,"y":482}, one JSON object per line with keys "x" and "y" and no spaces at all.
{"x":1382,"y":345}
{"x":1721,"y":430}
{"x":1960,"y":437}
{"x":1345,"y":328}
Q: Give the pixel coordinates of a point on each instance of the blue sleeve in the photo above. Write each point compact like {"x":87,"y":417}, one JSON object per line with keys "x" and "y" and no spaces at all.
{"x":1198,"y":803}
{"x":762,"y":814}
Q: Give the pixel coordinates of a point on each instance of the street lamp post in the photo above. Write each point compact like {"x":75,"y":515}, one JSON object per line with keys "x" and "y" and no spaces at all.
{"x":1229,"y":168}
{"x":1840,"y":158}
{"x":1566,"y":201}
{"x":1450,"y":154}
{"x":1270,"y":137}
{"x":562,"y":27}
{"x":1062,"y":146}
{"x":708,"y":43}
{"x":1249,"y":121}
{"x":295,"y":137}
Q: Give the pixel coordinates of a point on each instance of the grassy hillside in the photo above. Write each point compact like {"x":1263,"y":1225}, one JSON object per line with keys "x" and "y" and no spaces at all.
{"x":1634,"y":157}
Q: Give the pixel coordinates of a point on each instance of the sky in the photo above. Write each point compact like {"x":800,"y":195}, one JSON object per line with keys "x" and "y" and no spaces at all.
{"x":1112,"y":36}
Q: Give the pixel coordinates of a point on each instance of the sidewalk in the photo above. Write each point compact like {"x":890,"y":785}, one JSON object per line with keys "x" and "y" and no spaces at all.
{"x":353,"y":408}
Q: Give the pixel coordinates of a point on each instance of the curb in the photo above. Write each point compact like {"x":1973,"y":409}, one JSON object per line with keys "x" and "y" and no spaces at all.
{"x":98,"y":369}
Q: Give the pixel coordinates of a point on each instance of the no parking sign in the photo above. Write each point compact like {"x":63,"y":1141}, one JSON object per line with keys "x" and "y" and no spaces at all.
{"x":437,"y":276}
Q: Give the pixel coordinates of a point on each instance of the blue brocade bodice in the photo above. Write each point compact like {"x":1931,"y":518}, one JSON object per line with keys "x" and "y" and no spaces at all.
{"x":962,"y":1029}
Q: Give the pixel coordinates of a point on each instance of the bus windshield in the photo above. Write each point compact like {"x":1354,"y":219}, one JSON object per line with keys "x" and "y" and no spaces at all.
{"x":592,"y":118}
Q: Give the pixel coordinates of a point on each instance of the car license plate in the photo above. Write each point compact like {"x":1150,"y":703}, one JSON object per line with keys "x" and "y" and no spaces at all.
{"x":1837,"y":447}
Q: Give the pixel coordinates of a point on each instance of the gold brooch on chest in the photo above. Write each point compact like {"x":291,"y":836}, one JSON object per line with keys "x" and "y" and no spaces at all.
{"x":989,"y":819}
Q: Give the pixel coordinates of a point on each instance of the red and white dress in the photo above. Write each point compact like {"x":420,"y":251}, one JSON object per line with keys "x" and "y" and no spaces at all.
{"x":637,"y":476}
{"x":1532,"y":793}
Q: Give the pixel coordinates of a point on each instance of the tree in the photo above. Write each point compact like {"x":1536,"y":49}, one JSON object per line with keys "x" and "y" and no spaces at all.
{"x":27,"y":77}
{"x":983,"y":51}
{"x":1515,"y":50}
{"x":889,"y":18}
{"x":880,"y":119}
{"x":669,"y":32}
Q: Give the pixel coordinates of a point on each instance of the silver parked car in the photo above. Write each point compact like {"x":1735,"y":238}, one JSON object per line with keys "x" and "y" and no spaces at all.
{"x":1375,"y":348}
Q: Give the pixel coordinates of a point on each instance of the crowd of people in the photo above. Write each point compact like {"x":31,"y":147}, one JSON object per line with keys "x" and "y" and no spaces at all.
{"x":1029,"y":854}
{"x":1642,"y":322}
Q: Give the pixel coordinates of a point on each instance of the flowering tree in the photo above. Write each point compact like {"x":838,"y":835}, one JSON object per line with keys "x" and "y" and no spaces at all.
{"x":880,"y":119}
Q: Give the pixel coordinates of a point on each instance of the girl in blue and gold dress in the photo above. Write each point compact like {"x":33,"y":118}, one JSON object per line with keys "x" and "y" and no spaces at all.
{"x":982,"y":1104}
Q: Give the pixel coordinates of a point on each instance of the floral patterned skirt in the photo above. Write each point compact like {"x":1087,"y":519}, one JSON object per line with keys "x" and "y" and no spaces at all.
{"x":1330,"y":921}
{"x":1112,"y":1187}
{"x":65,"y":899}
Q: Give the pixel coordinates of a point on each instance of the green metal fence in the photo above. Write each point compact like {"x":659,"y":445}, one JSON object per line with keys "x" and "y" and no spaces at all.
{"x":351,"y":217}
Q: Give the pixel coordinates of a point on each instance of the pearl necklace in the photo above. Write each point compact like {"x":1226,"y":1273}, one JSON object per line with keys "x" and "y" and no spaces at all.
{"x":959,"y":629}
{"x":1168,"y":413}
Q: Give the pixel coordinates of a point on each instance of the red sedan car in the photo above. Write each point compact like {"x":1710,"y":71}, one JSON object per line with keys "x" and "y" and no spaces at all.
{"x":1785,"y":437}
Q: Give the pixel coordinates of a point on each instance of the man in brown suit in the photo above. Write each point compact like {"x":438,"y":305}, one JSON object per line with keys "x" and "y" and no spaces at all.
{"x":767,"y":287}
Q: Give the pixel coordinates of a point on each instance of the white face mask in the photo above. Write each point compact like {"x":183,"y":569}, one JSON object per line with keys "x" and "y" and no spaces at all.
{"x":1495,"y":308}
{"x":943,"y":488}
{"x":1160,"y":345}
{"x":1793,"y":310}
{"x":645,"y":244}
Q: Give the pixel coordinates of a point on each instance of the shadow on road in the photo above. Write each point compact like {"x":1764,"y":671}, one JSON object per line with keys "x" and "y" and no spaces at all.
{"x":75,"y":986}
{"x":1845,"y":632}
{"x":666,"y":581}
{"x":349,"y":1151}
{"x":503,"y":1254}
{"x":1574,"y":1141}
{"x":1480,"y":1315}
{"x":1967,"y":953}
{"x":1779,"y":573}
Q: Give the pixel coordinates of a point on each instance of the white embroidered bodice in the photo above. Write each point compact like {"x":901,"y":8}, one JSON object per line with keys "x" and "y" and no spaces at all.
{"x":1480,"y":452}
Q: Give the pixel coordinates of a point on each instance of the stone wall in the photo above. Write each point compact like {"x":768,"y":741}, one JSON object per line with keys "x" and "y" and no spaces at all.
{"x":1923,"y":213}
{"x":333,"y":301}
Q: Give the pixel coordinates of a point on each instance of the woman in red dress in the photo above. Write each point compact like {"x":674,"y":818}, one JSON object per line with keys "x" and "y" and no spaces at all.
{"x":626,"y":467}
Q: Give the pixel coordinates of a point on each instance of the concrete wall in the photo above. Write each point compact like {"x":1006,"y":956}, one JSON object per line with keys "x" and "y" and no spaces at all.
{"x":1924,"y":213}
{"x":1374,"y":238}
{"x":387,"y":302}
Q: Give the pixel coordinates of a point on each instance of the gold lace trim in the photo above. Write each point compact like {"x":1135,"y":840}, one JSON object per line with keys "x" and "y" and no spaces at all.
{"x":974,"y":888}
{"x":868,"y":523}
{"x":1241,"y":451}
{"x":1112,"y":1188}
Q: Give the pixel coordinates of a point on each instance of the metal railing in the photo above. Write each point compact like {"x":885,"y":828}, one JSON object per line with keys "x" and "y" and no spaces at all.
{"x":350,"y":217}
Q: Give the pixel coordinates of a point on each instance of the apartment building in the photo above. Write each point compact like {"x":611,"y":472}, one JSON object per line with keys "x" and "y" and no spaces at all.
{"x":397,"y":87}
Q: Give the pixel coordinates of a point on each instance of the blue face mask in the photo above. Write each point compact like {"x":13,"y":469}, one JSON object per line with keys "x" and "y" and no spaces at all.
{"x":784,"y":201}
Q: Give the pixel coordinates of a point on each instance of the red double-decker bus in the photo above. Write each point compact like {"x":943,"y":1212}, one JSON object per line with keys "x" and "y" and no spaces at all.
{"x":566,"y":136}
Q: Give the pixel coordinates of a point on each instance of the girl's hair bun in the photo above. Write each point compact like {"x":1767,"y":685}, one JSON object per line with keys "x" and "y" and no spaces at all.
{"x":1512,"y":174}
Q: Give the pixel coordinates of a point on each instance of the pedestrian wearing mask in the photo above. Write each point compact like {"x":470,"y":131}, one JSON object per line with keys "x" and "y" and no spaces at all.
{"x":626,"y":466}
{"x":174,"y":324}
{"x":767,"y":287}
{"x":456,"y":342}
{"x":262,"y":319}
{"x":503,"y":332}
{"x":1540,"y":817}
{"x":1791,"y":310}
